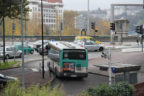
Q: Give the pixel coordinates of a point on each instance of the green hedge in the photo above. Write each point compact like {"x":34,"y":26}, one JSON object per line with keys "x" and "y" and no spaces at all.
{"x":118,"y":89}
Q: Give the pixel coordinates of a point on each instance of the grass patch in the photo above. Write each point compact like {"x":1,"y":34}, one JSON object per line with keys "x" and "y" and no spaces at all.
{"x":10,"y":64}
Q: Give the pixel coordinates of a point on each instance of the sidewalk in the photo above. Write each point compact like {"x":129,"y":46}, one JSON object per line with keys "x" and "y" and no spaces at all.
{"x":135,"y":58}
{"x":119,"y":46}
{"x":31,"y":77}
{"x":34,"y":78}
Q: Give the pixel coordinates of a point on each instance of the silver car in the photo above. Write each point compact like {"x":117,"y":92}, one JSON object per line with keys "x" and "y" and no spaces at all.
{"x":10,"y":52}
{"x":90,"y":45}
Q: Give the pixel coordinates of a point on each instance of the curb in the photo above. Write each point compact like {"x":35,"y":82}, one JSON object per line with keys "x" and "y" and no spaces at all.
{"x":24,"y":62}
{"x":49,"y":82}
{"x":99,"y":74}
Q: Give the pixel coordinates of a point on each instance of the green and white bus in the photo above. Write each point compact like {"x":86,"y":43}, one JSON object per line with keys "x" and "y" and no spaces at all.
{"x":67,"y":59}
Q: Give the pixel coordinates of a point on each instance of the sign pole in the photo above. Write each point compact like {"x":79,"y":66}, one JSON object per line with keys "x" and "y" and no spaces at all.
{"x":43,"y":71}
{"x":88,"y":21}
{"x":110,"y":73}
{"x":23,"y":79}
{"x":142,"y":41}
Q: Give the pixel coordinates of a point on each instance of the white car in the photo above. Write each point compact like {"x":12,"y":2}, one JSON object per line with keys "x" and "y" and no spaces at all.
{"x":10,"y":52}
{"x":90,"y":45}
{"x":38,"y":43}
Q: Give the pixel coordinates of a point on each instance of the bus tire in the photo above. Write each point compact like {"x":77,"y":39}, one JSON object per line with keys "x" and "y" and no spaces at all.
{"x":56,"y":73}
{"x":48,"y":65}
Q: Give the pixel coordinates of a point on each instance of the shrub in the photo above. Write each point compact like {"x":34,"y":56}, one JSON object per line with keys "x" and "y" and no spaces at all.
{"x":123,"y":89}
{"x":101,"y":90}
{"x":118,"y":89}
{"x":14,"y":89}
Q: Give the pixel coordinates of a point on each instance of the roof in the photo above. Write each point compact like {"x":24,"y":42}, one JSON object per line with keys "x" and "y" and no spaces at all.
{"x":54,"y":1}
{"x":64,"y":45}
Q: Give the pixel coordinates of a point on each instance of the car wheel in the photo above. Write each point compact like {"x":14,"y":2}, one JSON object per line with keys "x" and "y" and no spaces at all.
{"x":7,"y":57}
{"x":20,"y":55}
{"x":32,"y":52}
{"x":101,"y":49}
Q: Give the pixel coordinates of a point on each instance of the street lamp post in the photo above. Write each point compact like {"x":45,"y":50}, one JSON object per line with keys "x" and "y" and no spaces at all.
{"x":42,"y":40}
{"x":88,"y":29}
{"x":143,"y":4}
{"x":23,"y":82}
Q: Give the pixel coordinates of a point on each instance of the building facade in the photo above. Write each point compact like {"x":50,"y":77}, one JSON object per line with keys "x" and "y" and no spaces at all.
{"x":52,"y":11}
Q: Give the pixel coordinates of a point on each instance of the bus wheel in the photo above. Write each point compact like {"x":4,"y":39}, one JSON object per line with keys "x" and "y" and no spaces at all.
{"x":56,"y":73}
{"x":48,"y":65}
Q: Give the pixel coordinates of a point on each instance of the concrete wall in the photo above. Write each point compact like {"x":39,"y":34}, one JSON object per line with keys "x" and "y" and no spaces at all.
{"x":66,"y":38}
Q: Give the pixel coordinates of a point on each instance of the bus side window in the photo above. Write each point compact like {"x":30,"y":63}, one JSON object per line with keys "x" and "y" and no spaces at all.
{"x":53,"y":51}
{"x":54,"y":54}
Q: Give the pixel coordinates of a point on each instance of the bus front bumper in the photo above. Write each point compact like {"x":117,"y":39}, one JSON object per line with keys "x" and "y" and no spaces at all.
{"x":70,"y":74}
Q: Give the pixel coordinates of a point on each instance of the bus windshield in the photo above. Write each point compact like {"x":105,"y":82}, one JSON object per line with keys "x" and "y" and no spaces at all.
{"x":74,"y":54}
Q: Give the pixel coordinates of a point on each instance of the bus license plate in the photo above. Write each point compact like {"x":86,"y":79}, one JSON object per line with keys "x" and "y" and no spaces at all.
{"x":73,"y":75}
{"x":78,"y":68}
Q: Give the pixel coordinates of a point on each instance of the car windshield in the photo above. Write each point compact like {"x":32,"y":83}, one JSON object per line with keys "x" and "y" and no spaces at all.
{"x":43,"y":45}
{"x":90,"y":43}
{"x":40,"y":41}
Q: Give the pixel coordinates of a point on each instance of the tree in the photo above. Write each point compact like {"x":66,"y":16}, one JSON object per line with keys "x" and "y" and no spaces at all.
{"x":11,"y":9}
{"x":69,"y":23}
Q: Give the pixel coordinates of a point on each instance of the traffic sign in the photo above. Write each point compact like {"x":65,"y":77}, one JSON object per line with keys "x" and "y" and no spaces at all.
{"x":113,"y":70}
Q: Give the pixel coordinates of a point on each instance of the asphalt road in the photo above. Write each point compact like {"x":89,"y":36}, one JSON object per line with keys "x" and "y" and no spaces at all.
{"x":73,"y":86}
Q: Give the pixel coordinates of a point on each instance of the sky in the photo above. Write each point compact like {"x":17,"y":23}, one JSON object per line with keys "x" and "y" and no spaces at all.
{"x":94,"y":4}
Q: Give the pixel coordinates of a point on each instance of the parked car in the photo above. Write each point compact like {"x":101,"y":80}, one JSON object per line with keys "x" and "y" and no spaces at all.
{"x":27,"y":48}
{"x":4,"y":79}
{"x":45,"y":49}
{"x":10,"y":52}
{"x":90,"y":45}
{"x":38,"y":43}
{"x":86,"y":38}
